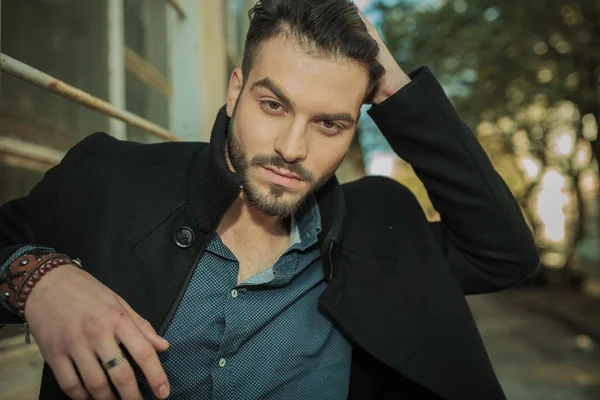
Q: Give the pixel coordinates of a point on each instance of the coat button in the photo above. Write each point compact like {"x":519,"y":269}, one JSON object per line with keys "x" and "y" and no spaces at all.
{"x":184,"y":237}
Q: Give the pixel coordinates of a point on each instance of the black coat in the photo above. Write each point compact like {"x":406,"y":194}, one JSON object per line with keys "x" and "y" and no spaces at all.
{"x":396,"y":282}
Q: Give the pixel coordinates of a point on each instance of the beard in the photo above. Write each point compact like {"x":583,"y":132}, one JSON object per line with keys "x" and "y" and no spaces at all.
{"x":271,"y":203}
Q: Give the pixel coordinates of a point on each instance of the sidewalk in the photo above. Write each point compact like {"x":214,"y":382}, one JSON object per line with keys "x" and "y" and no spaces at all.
{"x":570,"y":307}
{"x":20,"y":369}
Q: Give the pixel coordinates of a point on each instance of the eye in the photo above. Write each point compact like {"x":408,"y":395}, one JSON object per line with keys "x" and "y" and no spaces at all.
{"x":272,"y":107}
{"x":331,"y":127}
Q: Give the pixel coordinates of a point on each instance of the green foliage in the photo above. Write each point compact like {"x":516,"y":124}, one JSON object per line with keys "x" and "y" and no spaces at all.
{"x":494,"y":56}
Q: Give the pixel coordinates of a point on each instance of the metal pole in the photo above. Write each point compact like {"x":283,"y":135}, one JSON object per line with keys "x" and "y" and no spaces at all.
{"x":116,"y":65}
{"x":30,"y":152}
{"x":45,"y":81}
{"x":178,"y":7}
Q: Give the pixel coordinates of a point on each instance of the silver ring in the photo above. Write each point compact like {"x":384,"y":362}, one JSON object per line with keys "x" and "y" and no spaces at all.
{"x":114,"y":362}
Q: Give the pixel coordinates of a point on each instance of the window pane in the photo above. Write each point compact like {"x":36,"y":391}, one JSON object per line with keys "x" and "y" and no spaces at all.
{"x":67,"y":40}
{"x":146,"y":35}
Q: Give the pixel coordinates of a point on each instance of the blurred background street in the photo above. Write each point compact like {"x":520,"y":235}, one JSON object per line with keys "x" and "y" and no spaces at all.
{"x":524,"y":76}
{"x":535,"y":356}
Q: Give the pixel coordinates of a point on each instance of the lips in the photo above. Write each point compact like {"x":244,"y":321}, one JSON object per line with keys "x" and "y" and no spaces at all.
{"x":283,"y":178}
{"x":283,"y":172}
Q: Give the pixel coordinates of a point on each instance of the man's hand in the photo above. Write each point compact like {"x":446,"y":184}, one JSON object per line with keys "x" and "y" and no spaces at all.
{"x":394,"y":78}
{"x":77,"y":321}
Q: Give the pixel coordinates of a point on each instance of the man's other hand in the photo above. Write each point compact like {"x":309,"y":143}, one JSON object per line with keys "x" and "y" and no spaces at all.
{"x":80,"y":323}
{"x":395,"y":78}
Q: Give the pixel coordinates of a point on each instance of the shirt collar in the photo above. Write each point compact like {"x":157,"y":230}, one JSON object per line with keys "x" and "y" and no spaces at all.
{"x":305,"y":225}
{"x":217,"y":247}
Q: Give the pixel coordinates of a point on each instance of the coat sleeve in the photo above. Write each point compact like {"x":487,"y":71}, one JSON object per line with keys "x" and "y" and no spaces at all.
{"x":31,"y":220}
{"x":482,"y":232}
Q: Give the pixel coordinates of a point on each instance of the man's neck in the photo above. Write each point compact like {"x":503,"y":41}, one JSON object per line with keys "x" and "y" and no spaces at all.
{"x":256,"y":240}
{"x":247,"y":222}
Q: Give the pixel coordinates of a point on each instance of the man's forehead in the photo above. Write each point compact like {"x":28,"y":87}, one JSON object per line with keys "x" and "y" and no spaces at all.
{"x":280,"y":51}
{"x":304,"y":77}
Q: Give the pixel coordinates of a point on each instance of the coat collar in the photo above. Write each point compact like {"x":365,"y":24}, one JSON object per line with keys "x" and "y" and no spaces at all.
{"x":212,"y":187}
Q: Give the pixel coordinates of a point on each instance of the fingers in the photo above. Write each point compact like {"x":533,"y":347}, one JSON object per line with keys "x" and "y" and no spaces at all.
{"x":80,"y":327}
{"x":92,"y":373}
{"x":363,"y":17}
{"x":370,"y":27}
{"x":144,"y":326}
{"x":67,"y":378}
{"x":146,"y":357}
{"x":122,"y":374}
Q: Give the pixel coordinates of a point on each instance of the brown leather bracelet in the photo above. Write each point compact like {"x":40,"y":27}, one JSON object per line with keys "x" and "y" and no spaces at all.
{"x":21,"y":275}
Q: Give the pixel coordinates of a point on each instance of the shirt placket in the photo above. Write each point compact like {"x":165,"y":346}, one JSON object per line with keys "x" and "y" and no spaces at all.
{"x":224,"y":367}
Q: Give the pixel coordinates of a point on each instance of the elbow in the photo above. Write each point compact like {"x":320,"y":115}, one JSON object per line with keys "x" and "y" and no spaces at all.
{"x":527,"y":270}
{"x":525,"y":257}
{"x":527,"y":264}
{"x":516,"y":271}
{"x":532,"y":261}
{"x":512,"y":275}
{"x":529,"y":255}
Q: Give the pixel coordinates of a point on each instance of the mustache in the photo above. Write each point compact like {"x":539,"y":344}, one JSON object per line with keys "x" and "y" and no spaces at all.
{"x":276,"y":161}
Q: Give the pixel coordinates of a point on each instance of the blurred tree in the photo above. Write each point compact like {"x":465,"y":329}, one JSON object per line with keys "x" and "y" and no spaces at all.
{"x":524,"y":75}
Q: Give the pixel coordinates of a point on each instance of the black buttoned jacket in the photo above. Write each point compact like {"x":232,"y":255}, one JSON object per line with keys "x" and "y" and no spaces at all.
{"x":397,"y":282}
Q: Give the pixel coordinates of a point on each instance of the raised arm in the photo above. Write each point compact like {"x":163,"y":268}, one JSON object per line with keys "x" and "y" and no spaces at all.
{"x":483,"y":233}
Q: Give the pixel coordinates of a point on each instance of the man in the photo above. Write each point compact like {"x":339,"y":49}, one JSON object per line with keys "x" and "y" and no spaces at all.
{"x":267,"y":278}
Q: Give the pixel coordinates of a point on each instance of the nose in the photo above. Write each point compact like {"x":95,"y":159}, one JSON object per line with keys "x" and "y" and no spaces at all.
{"x":292,"y":145}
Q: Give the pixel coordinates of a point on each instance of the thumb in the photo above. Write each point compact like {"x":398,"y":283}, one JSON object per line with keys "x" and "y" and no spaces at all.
{"x":145,"y":327}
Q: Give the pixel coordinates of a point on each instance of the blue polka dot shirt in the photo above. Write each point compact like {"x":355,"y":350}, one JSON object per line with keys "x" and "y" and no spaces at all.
{"x":263,"y":339}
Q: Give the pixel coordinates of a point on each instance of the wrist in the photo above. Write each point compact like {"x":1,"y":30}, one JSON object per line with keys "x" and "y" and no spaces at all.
{"x":19,"y":278}
{"x":390,"y":85}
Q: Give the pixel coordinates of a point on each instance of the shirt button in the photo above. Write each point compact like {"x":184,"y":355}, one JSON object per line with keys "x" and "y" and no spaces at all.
{"x":234,"y":293}
{"x":222,"y":362}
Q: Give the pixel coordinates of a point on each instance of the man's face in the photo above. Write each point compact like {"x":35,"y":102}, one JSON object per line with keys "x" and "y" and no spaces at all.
{"x":292,"y":123}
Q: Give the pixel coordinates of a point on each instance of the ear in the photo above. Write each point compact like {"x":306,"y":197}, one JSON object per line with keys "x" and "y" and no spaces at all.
{"x":236,"y":83}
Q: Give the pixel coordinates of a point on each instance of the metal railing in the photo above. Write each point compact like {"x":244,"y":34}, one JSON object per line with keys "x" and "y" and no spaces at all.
{"x":21,"y":154}
{"x":29,"y":74}
{"x":37,"y":157}
{"x":147,"y":73}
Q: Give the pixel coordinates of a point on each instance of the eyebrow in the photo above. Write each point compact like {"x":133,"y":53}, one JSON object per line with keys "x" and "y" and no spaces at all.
{"x":346,"y":117}
{"x":268,"y":84}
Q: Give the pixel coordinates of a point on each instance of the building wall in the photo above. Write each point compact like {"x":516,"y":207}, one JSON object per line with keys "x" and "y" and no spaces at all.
{"x":67,"y":40}
{"x":177,"y":77}
{"x":214,"y":72}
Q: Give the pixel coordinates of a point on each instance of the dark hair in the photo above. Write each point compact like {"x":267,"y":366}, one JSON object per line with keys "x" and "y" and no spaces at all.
{"x":328,"y":28}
